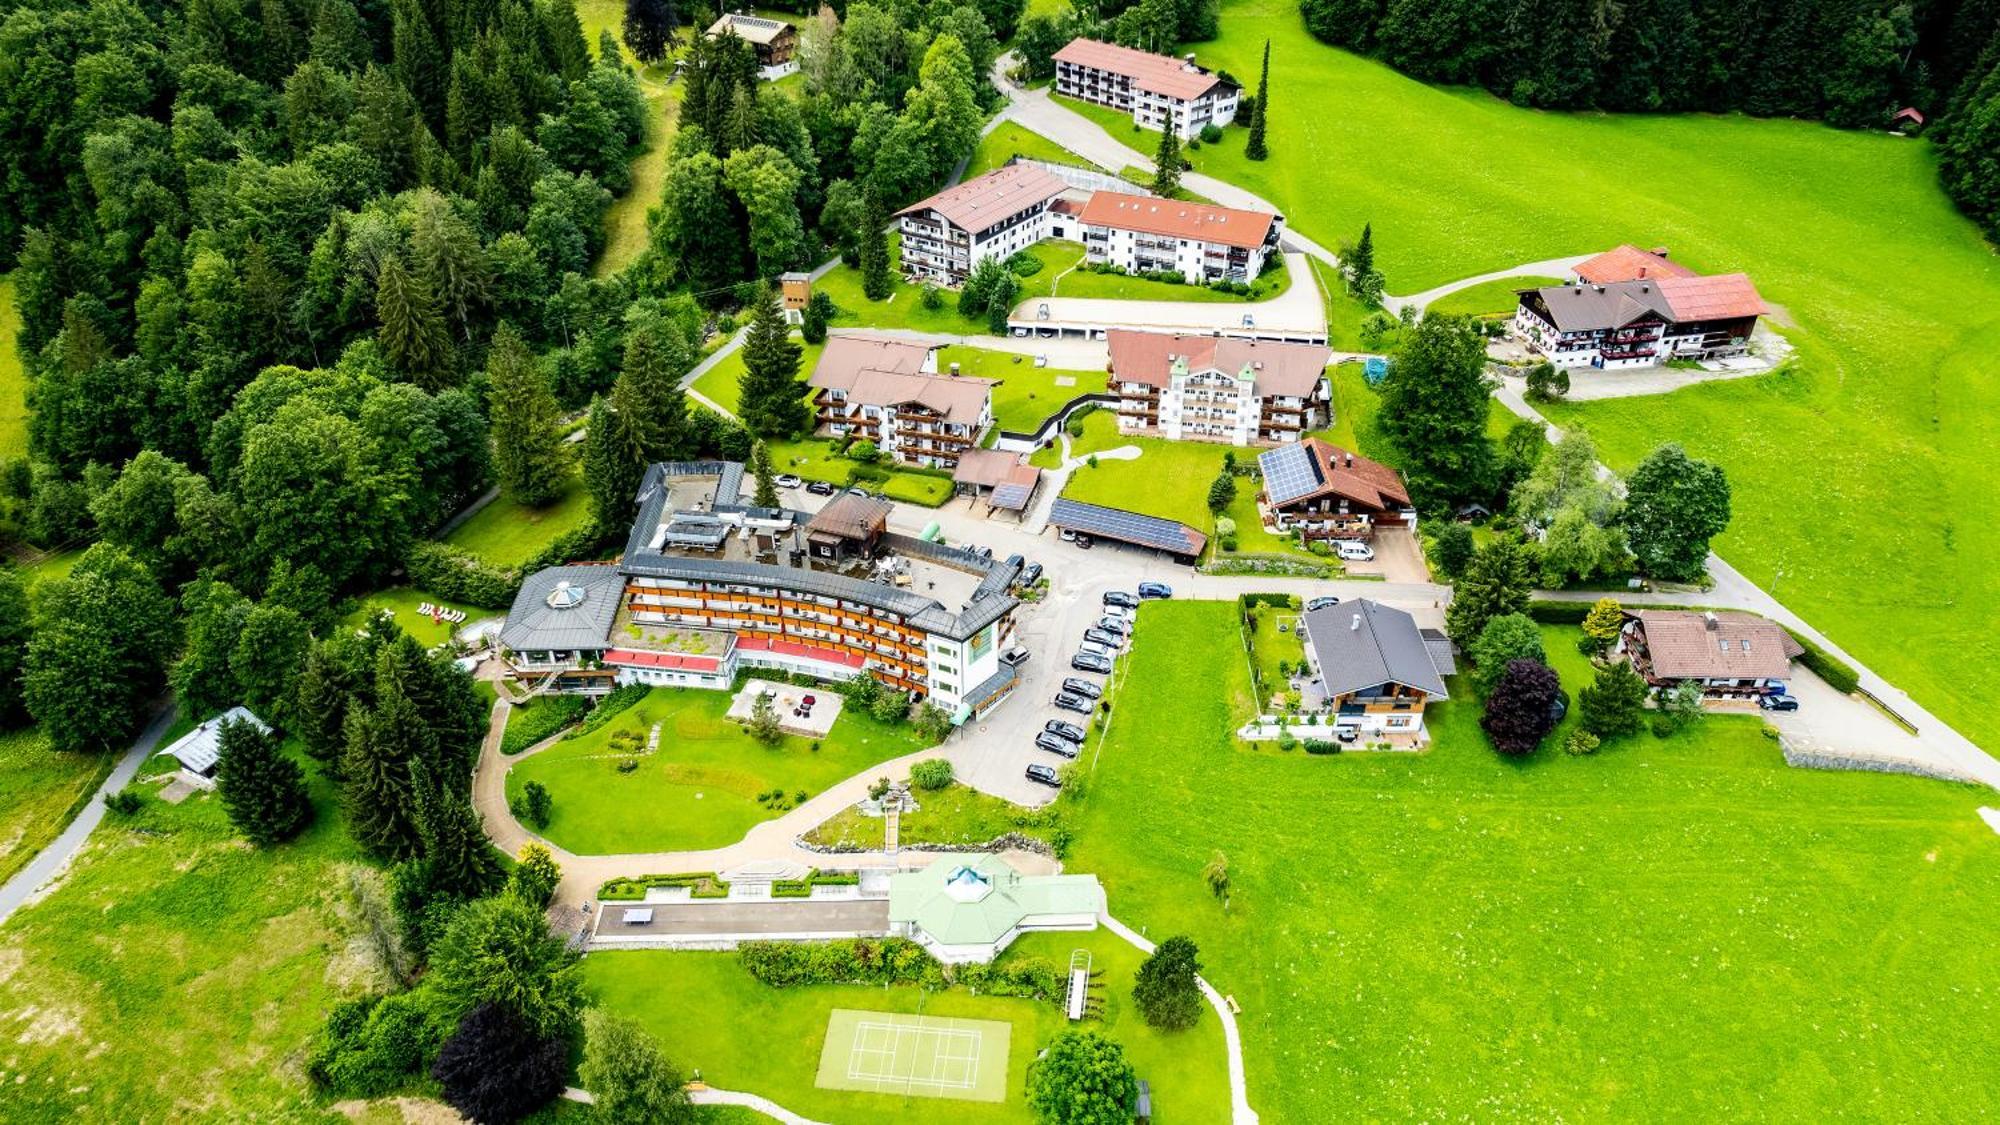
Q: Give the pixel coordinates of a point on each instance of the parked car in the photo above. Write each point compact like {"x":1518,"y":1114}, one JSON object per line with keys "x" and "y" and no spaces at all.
{"x":1054,"y":745}
{"x":820,"y":488}
{"x":1121,"y":599}
{"x":1093,"y":648}
{"x":1015,"y":656}
{"x":1353,"y":550}
{"x":1062,"y":729}
{"x":856,"y":490}
{"x":1016,"y":560}
{"x":1322,"y":603}
{"x":1030,"y":576}
{"x":1045,"y":775}
{"x":787,"y":480}
{"x":1116,"y":626}
{"x":1075,"y":703}
{"x":1778,"y":702}
{"x":983,"y":552}
{"x":1155,"y":590}
{"x":1078,"y":686}
{"x":1091,"y":662}
{"x":1119,"y":613}
{"x":1083,"y":541}
{"x":1104,"y":637}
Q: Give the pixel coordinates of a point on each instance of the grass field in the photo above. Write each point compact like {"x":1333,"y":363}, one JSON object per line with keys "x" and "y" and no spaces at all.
{"x":1275,"y":641}
{"x":13,"y":377}
{"x":1011,"y":140}
{"x":171,"y":938}
{"x":402,"y":602}
{"x":39,"y":789}
{"x":676,"y":995}
{"x":1896,"y":299}
{"x":625,"y":220}
{"x":723,"y":383}
{"x":507,"y":534}
{"x":956,"y":814}
{"x":1489,"y":298}
{"x":1027,"y":394}
{"x":700,"y":788}
{"x":1684,"y":923}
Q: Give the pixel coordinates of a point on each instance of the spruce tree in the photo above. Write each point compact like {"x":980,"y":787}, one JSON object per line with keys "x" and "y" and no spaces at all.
{"x":449,"y":259}
{"x":767,"y":480}
{"x":772,"y":402}
{"x":1166,"y":987}
{"x":320,"y":700}
{"x":1497,"y":582}
{"x":608,"y":471}
{"x":649,"y":28}
{"x":263,"y":791}
{"x":413,"y":335}
{"x":651,"y":406}
{"x":452,"y":842}
{"x":528,"y":453}
{"x":377,"y":785}
{"x":1255,"y":148}
{"x":1363,"y":279}
{"x":1167,"y":164}
{"x":876,"y":284}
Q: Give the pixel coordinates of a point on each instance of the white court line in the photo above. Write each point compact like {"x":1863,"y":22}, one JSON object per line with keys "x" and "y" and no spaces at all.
{"x":943,"y":1041}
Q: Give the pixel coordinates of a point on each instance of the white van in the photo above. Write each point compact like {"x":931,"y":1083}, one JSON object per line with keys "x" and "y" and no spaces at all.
{"x":1353,"y":550}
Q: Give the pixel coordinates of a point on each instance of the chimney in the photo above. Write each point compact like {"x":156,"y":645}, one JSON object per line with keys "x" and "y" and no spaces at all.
{"x":1658,"y":251}
{"x":1350,"y":460}
{"x":1354,"y":626}
{"x":1711,"y":621}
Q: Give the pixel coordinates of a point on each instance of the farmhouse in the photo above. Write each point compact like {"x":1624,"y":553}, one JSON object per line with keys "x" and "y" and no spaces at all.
{"x":889,"y":392}
{"x":995,"y":215}
{"x":1376,"y":668}
{"x":710,"y":585}
{"x":775,"y":41}
{"x":1637,"y":308}
{"x":1326,"y":492}
{"x":971,"y":908}
{"x":1218,"y":388}
{"x":1159,"y":91}
{"x":1199,"y":242}
{"x":1729,"y":655}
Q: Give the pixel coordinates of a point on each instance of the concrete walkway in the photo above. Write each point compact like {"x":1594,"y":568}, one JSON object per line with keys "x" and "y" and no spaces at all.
{"x":707,"y":364}
{"x":709,"y":1095}
{"x":1239,"y":1088}
{"x":54,"y":859}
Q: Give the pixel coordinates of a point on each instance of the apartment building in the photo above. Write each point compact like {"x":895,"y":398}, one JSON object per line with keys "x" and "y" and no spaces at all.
{"x":1629,"y":307}
{"x":1200,"y":242}
{"x":889,"y":392}
{"x":1218,"y":388}
{"x":710,"y":586}
{"x":991,"y":216}
{"x":1159,"y":91}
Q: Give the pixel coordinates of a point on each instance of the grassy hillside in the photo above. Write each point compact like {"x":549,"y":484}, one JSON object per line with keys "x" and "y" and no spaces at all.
{"x":1863,"y":481}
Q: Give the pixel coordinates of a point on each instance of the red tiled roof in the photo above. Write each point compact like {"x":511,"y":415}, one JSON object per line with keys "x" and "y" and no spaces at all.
{"x":1160,"y":74}
{"x":1629,"y":263}
{"x":1370,"y":484}
{"x":764,"y":642}
{"x":674,"y":660}
{"x":979,"y":203}
{"x":1153,"y":215}
{"x":1724,"y":296}
{"x":1275,"y":369}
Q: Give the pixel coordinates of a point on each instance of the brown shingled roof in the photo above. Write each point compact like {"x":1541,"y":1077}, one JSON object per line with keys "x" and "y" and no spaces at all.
{"x":846,"y":357}
{"x":1275,"y":369}
{"x":1629,"y":263}
{"x":958,"y":398}
{"x":985,"y":200}
{"x":1152,"y":215}
{"x":1740,"y":646}
{"x":1160,"y":74}
{"x":1369,"y":484}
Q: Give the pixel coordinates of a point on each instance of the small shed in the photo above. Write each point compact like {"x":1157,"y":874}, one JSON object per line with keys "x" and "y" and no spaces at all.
{"x":198,"y":750}
{"x":850,"y":525}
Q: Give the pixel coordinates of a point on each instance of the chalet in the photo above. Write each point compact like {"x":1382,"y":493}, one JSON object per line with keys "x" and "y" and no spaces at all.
{"x":1377,"y":669}
{"x":775,"y":41}
{"x":199,"y":751}
{"x":849,"y":526}
{"x":1729,"y":655}
{"x":1326,"y":492}
{"x":1636,"y":308}
{"x":995,"y":215}
{"x":1159,"y":91}
{"x":1198,"y":241}
{"x":888,"y":391}
{"x":1218,"y":388}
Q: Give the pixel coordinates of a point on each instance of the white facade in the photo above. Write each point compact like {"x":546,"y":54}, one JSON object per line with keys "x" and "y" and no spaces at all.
{"x":1640,"y":345}
{"x":936,"y":249}
{"x":1150,"y":110}
{"x":1211,"y":405}
{"x":1198,"y":261}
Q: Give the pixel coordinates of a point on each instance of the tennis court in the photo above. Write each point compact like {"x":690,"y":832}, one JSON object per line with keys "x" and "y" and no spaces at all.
{"x":922,"y":1056}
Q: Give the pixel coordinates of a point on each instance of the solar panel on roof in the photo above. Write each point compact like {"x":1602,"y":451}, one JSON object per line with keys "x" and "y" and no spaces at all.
{"x":1012,"y":497}
{"x":1128,"y":527}
{"x":1289,"y":473}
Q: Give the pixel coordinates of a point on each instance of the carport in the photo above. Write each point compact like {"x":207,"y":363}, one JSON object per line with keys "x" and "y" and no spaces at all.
{"x":1116,"y":524}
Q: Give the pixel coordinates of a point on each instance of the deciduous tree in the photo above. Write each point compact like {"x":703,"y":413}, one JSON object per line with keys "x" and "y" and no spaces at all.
{"x":1503,"y":640}
{"x":1674,"y":505}
{"x":1434,"y":406}
{"x":99,"y":651}
{"x":500,"y":950}
{"x":497,"y":1068}
{"x":629,"y":1078}
{"x":1083,"y":1078}
{"x":1521,"y":710}
{"x":650,"y":27}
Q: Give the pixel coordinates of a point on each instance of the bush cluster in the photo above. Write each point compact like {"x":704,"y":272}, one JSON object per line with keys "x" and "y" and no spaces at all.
{"x":932,"y":774}
{"x":609,"y":708}
{"x":456,"y":576}
{"x":540,"y":718}
{"x":1839,"y":674}
{"x":372,"y":1044}
{"x":894,"y":961}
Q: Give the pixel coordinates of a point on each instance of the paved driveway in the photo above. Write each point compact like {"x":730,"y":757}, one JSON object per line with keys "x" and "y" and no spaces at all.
{"x":1844,"y":725}
{"x":1398,"y":557}
{"x":727,"y":919}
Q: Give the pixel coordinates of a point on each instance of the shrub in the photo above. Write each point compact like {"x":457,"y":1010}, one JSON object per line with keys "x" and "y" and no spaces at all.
{"x":372,"y":1045}
{"x":125,"y":802}
{"x":931,"y":297}
{"x":932,"y":774}
{"x":865,"y":452}
{"x":541,"y":718}
{"x":1024,"y":264}
{"x":1321,"y":746}
{"x":1581,"y":742}
{"x":609,"y":708}
{"x":1210,"y":134}
{"x":456,"y":576}
{"x":1559,"y":613}
{"x":1838,"y":674}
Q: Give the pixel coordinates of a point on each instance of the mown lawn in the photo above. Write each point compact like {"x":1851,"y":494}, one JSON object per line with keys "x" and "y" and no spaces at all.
{"x":507,"y":534}
{"x":1125,"y":287}
{"x":1489,"y":298}
{"x":1027,"y":394}
{"x":40,"y":789}
{"x":402,"y":603}
{"x":700,"y":788}
{"x":177,"y":973}
{"x":13,"y":376}
{"x":814,"y":459}
{"x":1886,"y":412}
{"x":1011,"y":140}
{"x":723,"y":383}
{"x":956,"y":814}
{"x":625,"y":220}
{"x":770,"y":1041}
{"x":1686,"y":925}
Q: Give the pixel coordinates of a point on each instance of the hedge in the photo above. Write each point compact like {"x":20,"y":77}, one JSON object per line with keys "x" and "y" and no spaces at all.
{"x":539,"y":718}
{"x":1559,"y":613}
{"x":802,"y":888}
{"x":704,"y":884}
{"x":783,"y":964}
{"x":1838,"y":673}
{"x":608,"y":708}
{"x":456,"y":576}
{"x":1282,"y":601}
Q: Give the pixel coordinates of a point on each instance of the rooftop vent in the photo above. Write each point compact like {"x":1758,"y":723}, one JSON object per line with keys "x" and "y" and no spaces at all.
{"x":1710,"y":620}
{"x":1354,"y":624}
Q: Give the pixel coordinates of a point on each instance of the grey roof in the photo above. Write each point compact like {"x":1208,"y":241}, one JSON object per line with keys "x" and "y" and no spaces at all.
{"x":540,"y":621}
{"x":1439,"y":647}
{"x":1586,"y":308}
{"x":1362,"y":643}
{"x":199,"y":749}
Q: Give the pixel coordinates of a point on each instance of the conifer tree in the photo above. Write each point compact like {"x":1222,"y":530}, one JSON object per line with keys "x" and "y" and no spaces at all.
{"x":651,"y":406}
{"x":382,"y":745}
{"x":320,"y":699}
{"x":413,"y":335}
{"x":420,"y":60}
{"x":767,"y":480}
{"x":1167,"y":164}
{"x":649,"y":28}
{"x":263,"y":791}
{"x":1166,"y":987}
{"x":772,"y":402}
{"x":449,"y":259}
{"x":452,"y":842}
{"x":528,"y":453}
{"x":1363,"y":279}
{"x":1255,"y":148}
{"x":876,"y":284}
{"x":608,"y":471}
